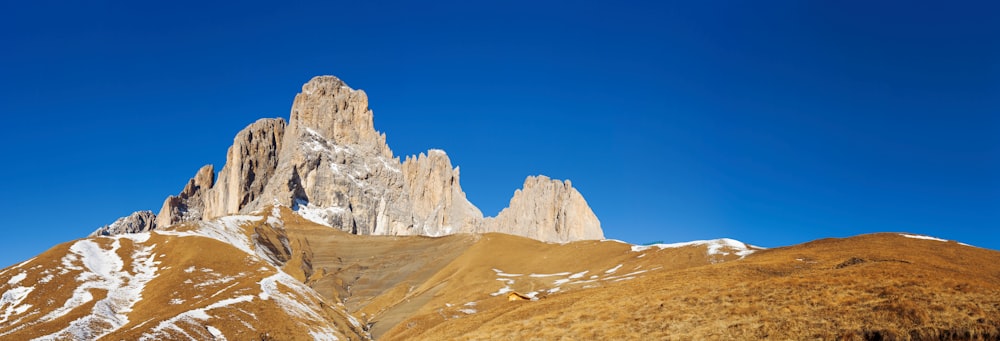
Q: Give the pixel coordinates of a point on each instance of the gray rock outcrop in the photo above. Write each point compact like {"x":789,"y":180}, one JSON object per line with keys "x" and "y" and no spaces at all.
{"x":140,"y":221}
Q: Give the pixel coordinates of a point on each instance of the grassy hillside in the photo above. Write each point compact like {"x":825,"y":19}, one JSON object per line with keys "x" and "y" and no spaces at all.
{"x":870,"y":287}
{"x":200,"y":280}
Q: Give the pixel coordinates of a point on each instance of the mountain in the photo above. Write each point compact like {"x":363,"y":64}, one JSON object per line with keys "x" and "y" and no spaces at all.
{"x":274,"y":274}
{"x":329,"y":163}
{"x":313,"y":230}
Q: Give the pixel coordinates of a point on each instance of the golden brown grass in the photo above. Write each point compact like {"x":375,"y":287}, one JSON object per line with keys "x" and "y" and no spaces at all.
{"x":870,"y":287}
{"x":190,"y":269}
{"x":903,"y":289}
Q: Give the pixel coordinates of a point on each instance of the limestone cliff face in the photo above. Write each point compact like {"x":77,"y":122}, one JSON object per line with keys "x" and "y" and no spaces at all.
{"x":140,"y":221}
{"x":332,"y":159}
{"x":438,"y":202}
{"x":330,"y":164}
{"x":549,"y":210}
{"x":189,"y":205}
{"x":250,"y":164}
{"x":331,"y":109}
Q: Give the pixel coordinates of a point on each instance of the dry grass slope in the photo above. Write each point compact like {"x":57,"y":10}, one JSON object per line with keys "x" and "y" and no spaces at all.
{"x":870,"y":287}
{"x":901,"y":289}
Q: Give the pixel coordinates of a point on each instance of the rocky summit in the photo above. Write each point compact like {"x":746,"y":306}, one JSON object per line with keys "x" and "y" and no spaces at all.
{"x":330,"y":165}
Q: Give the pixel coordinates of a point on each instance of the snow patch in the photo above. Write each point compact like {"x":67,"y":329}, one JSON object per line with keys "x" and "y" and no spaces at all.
{"x":915,"y":236}
{"x":140,"y":238}
{"x":502,"y":291}
{"x":353,"y":321}
{"x":549,"y":275}
{"x":21,"y":309}
{"x":231,"y":230}
{"x":721,"y":246}
{"x":104,"y":270}
{"x":69,"y":264}
{"x":11,"y":299}
{"x":287,"y":301}
{"x":226,"y":230}
{"x":17,"y":278}
{"x":216,"y":333}
{"x":322,"y":336}
{"x":217,"y":281}
{"x":316,"y":214}
{"x":612,"y":270}
{"x":468,"y":311}
{"x":502,"y":274}
{"x":191,"y":316}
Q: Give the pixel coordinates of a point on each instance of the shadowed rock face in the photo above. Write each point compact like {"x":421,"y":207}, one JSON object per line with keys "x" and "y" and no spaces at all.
{"x":329,"y":159}
{"x":189,"y":205}
{"x":250,"y":164}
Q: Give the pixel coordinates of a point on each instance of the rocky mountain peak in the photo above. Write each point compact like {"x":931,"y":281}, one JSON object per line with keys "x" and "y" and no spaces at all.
{"x":547,"y":209}
{"x":331,"y":165}
{"x":434,"y":188}
{"x":328,"y":107}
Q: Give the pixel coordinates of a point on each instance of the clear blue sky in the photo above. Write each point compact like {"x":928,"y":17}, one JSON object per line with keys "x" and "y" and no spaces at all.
{"x":774,"y":123}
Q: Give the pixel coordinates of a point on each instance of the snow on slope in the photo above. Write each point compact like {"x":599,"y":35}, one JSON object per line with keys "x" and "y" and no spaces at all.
{"x":916,"y":236}
{"x":227,"y":229}
{"x":104,"y":270}
{"x":296,"y":299}
{"x":97,"y":282}
{"x":233,"y":230}
{"x":316,"y":214}
{"x":721,"y":247}
{"x":193,"y":316}
{"x":11,"y":300}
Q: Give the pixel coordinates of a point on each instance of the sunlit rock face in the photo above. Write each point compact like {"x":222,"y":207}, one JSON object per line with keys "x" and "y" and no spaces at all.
{"x":330,"y":164}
